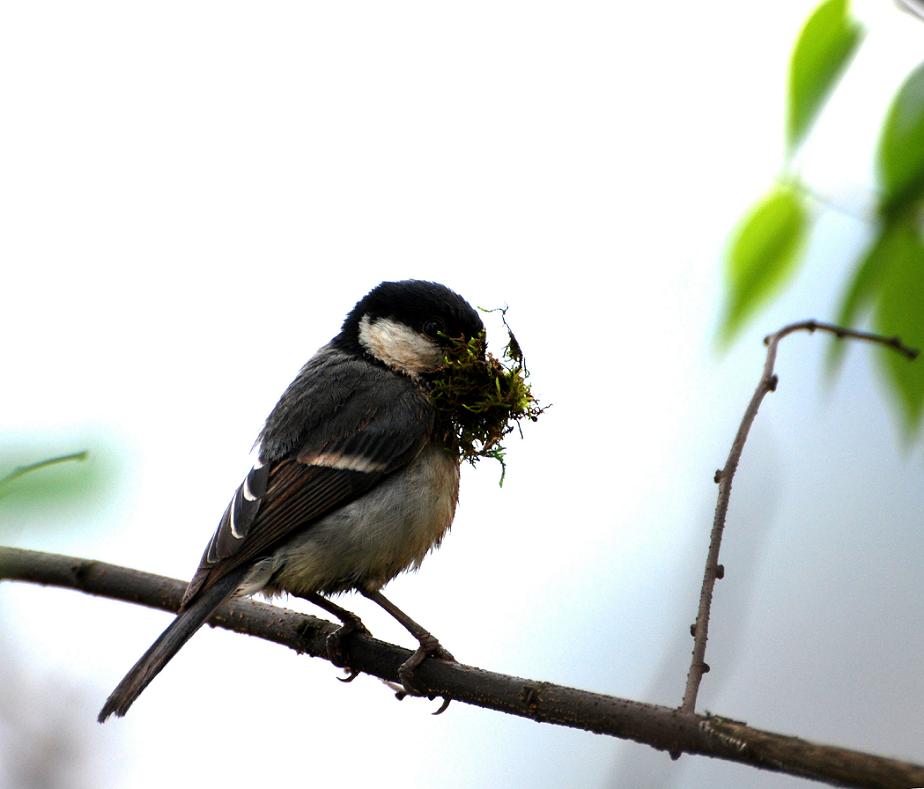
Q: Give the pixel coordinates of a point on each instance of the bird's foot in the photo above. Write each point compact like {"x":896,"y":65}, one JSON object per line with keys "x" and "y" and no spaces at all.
{"x":335,"y":643}
{"x":429,"y":647}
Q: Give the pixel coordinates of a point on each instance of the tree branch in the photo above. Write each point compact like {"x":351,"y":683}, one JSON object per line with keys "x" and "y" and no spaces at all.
{"x":660,"y":727}
{"x":724,"y":476}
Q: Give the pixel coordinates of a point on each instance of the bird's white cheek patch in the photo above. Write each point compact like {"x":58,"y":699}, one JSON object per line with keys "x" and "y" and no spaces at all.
{"x":399,"y":346}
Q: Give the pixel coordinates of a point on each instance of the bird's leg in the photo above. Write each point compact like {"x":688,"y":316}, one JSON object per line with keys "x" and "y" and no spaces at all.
{"x":429,"y":645}
{"x":350,"y":624}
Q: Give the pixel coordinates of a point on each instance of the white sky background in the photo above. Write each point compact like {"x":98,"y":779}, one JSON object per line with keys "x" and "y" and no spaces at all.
{"x":192,"y":195}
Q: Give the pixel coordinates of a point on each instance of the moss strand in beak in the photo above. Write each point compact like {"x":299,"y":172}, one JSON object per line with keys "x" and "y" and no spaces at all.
{"x":481,"y":398}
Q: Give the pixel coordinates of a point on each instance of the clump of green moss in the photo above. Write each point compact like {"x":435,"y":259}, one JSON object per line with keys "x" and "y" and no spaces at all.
{"x":482,"y":398}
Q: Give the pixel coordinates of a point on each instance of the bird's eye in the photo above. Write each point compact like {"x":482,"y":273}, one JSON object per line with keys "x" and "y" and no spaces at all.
{"x":433,"y":328}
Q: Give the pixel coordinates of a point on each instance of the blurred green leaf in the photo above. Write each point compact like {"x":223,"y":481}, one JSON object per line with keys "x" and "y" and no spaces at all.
{"x":825,"y":44}
{"x":763,"y":255}
{"x":865,"y":283}
{"x":32,"y":481}
{"x":31,"y":468}
{"x":900,"y":311}
{"x":901,"y":148}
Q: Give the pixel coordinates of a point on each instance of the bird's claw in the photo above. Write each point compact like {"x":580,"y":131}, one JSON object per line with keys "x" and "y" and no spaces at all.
{"x":401,"y":693}
{"x":335,"y":641}
{"x":352,"y":674}
{"x":429,"y":647}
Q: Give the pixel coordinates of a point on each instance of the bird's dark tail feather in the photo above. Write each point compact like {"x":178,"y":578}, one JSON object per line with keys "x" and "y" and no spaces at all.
{"x":167,"y":645}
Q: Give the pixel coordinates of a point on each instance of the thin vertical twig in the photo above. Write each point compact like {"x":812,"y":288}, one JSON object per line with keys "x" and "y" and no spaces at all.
{"x":724,"y":476}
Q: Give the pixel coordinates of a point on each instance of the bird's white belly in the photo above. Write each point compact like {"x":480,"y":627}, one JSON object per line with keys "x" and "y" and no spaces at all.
{"x":369,"y":541}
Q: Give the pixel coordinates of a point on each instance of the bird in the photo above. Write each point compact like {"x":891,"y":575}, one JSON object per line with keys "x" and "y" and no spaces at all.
{"x":355,"y":479}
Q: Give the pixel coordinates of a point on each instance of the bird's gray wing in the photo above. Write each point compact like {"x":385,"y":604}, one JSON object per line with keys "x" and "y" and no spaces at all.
{"x":349,"y":437}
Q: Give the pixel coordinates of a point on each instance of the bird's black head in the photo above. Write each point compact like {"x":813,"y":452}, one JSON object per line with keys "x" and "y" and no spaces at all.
{"x":406,"y":325}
